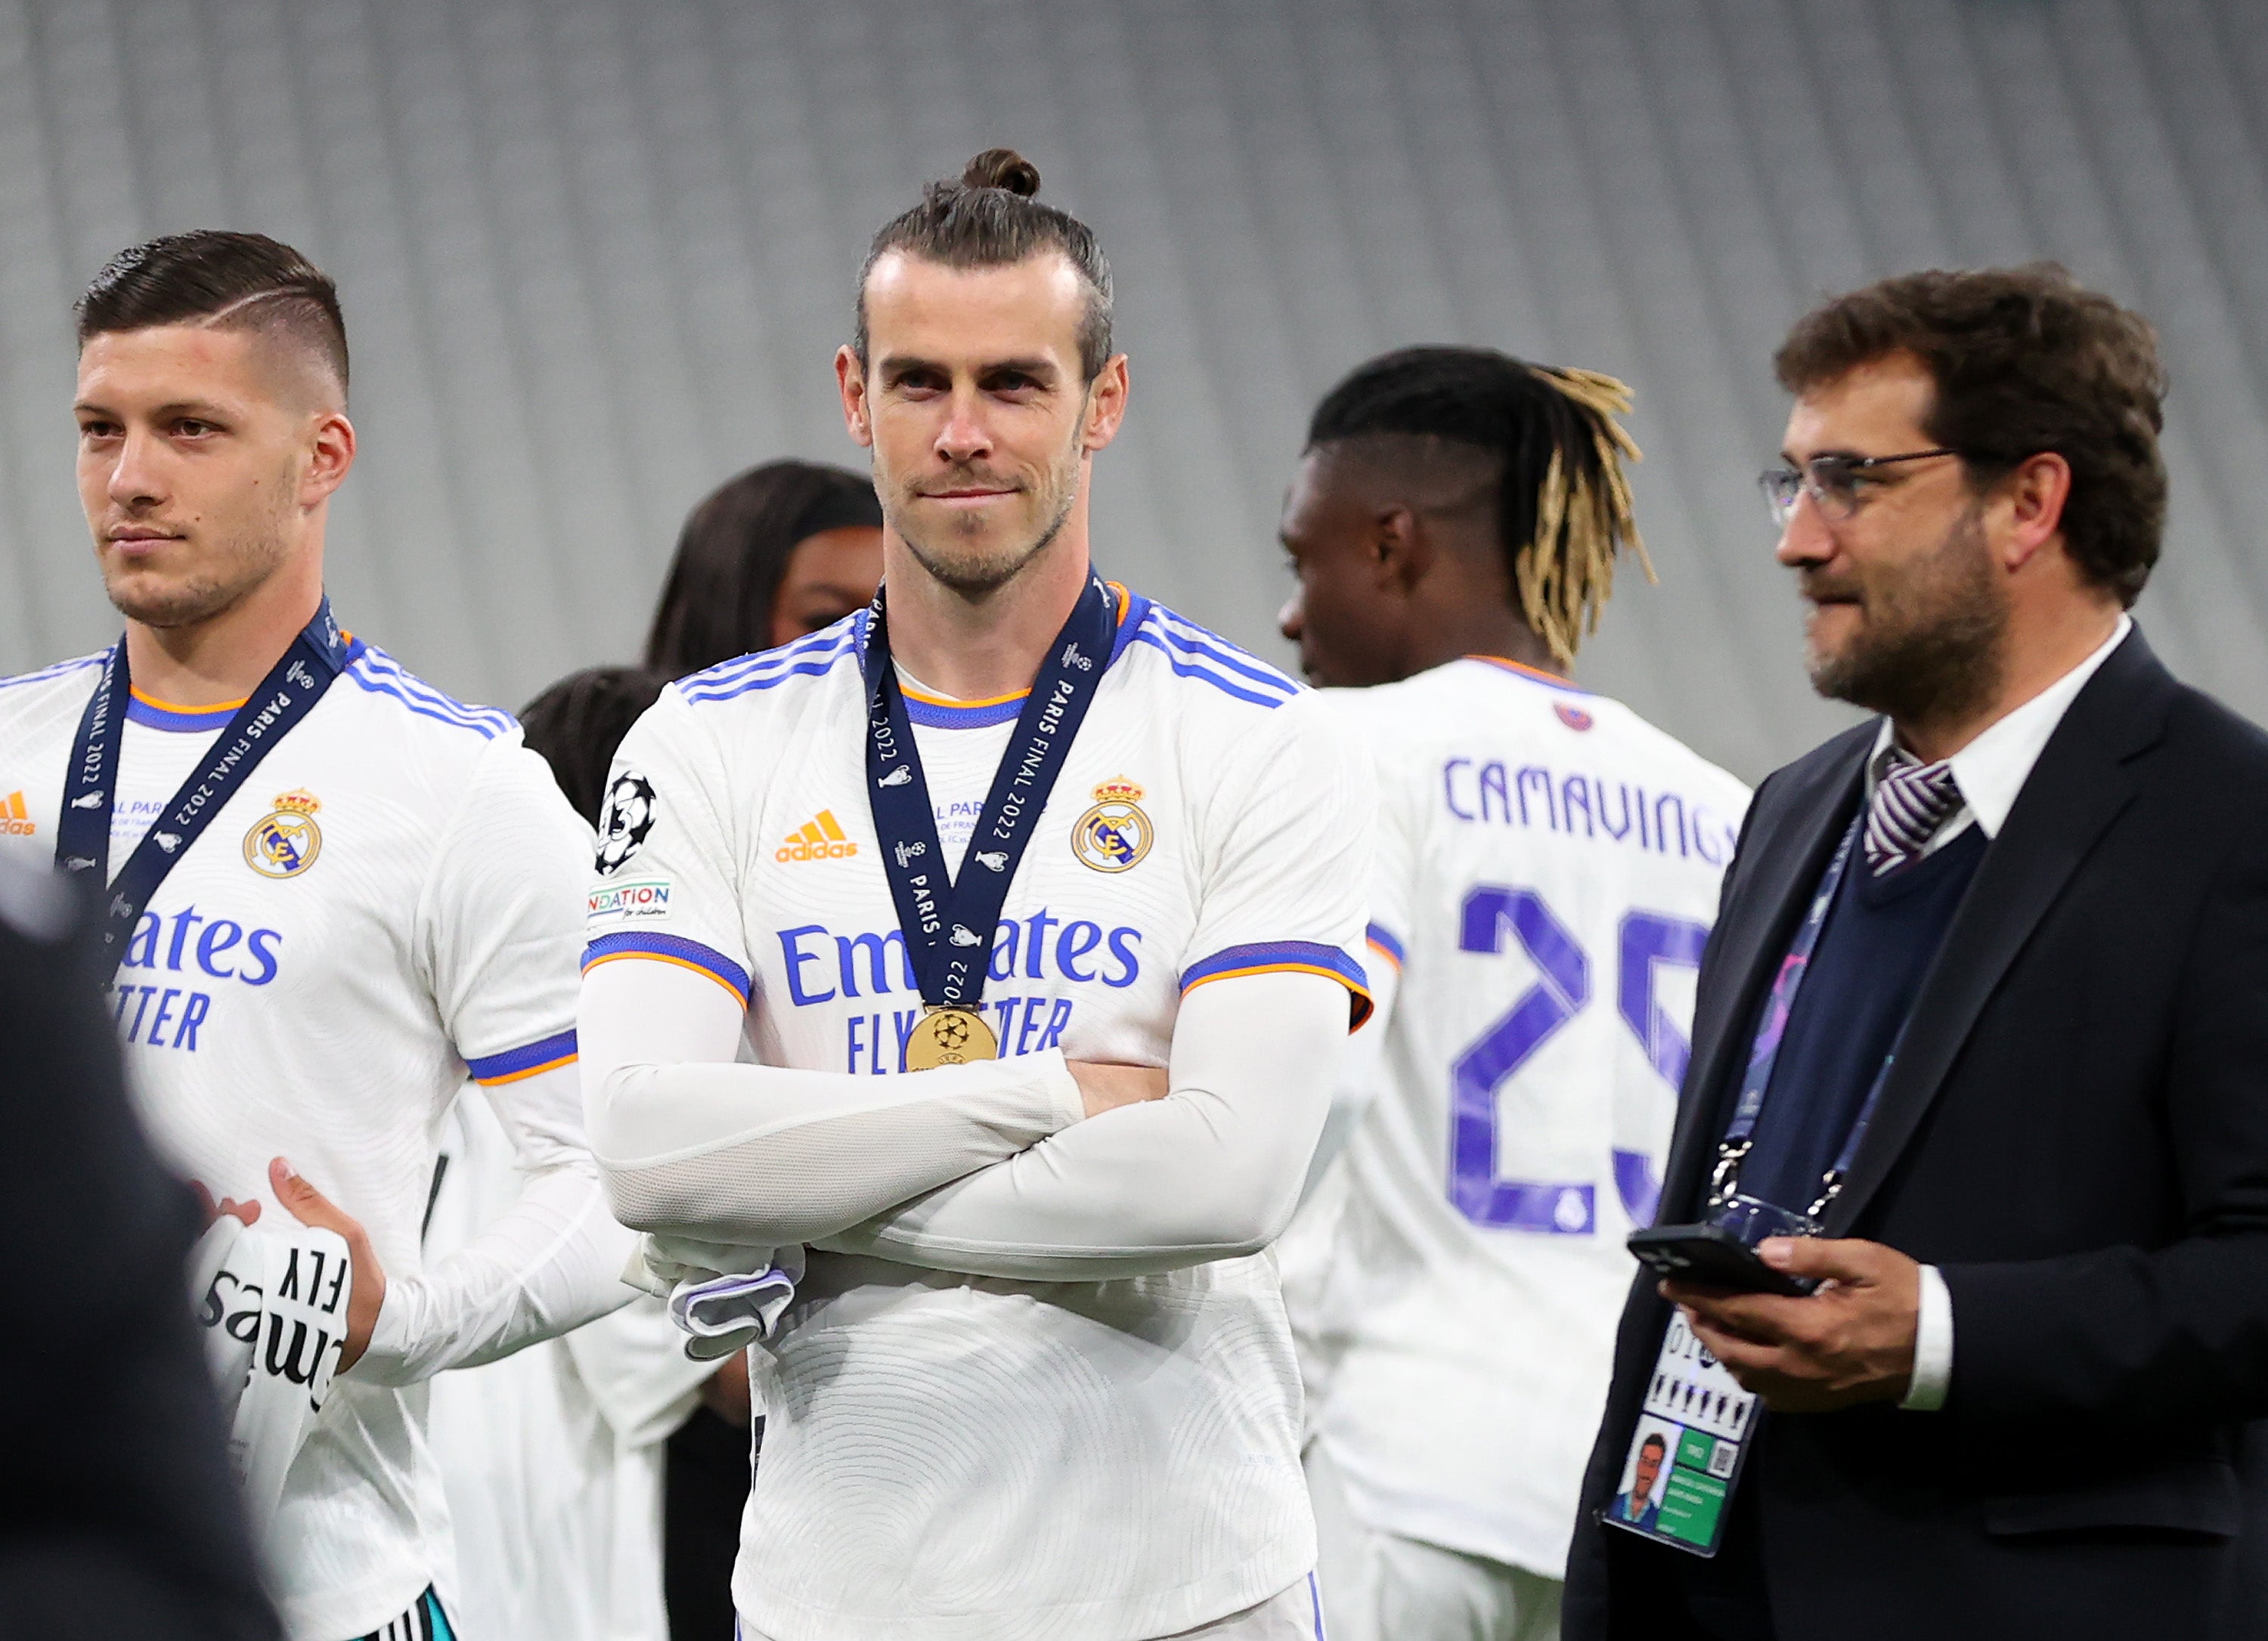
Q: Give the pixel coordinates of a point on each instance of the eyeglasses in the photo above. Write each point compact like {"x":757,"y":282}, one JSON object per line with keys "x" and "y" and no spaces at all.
{"x":1836,"y":484}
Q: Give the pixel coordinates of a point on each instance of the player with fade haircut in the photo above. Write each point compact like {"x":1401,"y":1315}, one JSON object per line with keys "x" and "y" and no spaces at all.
{"x":1038,"y":905}
{"x":1546,"y":874}
{"x":332,"y":891}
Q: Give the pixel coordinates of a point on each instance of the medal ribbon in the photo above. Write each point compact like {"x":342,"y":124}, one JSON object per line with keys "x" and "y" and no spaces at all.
{"x":1741,"y":1132}
{"x":949,"y":925}
{"x":286,"y":696}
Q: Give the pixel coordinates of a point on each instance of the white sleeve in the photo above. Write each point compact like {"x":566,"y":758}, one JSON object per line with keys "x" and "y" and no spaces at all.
{"x":692,"y":1145}
{"x":499,"y":924}
{"x":1212,"y":1171}
{"x":550,"y":1263}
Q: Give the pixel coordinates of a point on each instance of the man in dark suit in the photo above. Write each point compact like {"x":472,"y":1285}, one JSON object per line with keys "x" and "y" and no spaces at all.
{"x":2036,"y":990}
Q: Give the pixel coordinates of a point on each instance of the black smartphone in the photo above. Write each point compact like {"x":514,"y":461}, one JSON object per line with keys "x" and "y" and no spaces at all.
{"x":1710,"y":1256}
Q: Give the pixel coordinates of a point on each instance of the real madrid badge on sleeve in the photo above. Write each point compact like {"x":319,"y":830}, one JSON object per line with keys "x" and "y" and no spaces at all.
{"x":950,"y":1037}
{"x":1685,"y":1456}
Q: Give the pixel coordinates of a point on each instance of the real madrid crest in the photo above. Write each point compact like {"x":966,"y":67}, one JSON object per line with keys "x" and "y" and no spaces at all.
{"x":1115,"y":835}
{"x":284,"y":843}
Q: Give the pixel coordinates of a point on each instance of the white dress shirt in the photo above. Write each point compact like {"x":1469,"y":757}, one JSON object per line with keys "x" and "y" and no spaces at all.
{"x":1990,"y":771}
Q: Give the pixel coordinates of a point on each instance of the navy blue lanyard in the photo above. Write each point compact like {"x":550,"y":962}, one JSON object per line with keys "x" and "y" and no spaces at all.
{"x":1740,"y":1134}
{"x":949,"y":926}
{"x":286,"y":696}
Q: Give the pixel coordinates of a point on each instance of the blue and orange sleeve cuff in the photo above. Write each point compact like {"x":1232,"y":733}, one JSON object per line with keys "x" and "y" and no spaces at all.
{"x":1286,"y":957}
{"x":1386,"y":943}
{"x":530,"y":1059}
{"x":671,"y":948}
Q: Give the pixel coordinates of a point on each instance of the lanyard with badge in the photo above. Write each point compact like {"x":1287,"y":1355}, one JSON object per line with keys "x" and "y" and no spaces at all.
{"x":1691,"y":1442}
{"x":285,"y":697}
{"x":949,"y":925}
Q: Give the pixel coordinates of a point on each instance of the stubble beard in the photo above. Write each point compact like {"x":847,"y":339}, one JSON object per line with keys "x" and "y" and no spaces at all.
{"x":1933,"y":650}
{"x":243,"y":564}
{"x":972,"y":569}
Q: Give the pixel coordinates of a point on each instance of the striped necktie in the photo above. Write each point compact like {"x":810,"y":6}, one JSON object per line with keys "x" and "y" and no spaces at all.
{"x":1911,"y":800}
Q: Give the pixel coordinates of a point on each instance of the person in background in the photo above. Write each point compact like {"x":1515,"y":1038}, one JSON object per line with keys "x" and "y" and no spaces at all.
{"x":577,"y":724}
{"x":552,"y":1459}
{"x":782,"y":550}
{"x":1547,"y":863}
{"x":124,"y":1520}
{"x":768,"y":558}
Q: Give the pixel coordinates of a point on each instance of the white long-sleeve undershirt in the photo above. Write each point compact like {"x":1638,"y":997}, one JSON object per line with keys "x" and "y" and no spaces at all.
{"x":988,"y":1169}
{"x":550,"y":1262}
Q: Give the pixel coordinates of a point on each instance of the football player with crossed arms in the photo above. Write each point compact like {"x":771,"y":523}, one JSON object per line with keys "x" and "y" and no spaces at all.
{"x":1546,"y":872}
{"x":1037,"y":906}
{"x":332,"y":892}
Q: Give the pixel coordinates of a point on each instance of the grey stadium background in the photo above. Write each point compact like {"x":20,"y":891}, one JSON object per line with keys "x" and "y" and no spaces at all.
{"x":596,"y":254}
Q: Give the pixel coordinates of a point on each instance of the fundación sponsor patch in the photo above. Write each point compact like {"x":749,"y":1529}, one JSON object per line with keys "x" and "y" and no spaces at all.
{"x":649,"y":898}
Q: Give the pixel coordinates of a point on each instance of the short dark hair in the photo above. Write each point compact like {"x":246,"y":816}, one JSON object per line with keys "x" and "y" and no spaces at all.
{"x":578,"y":723}
{"x":2026,"y":361}
{"x":1654,"y":1440}
{"x":242,"y":281}
{"x":733,"y":552}
{"x":992,"y":219}
{"x":1564,"y":505}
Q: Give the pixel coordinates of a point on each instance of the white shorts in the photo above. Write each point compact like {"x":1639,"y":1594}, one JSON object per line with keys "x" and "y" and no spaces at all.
{"x":1292,"y":1614}
{"x":1379,"y":1587}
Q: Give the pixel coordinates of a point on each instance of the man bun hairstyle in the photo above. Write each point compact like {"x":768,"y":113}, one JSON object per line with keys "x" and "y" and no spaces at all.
{"x":1564,"y":504}
{"x":992,"y":219}
{"x":2026,"y":361}
{"x":231,"y":281}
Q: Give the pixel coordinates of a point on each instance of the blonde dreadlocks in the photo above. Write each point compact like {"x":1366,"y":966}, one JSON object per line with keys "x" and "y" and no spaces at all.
{"x":1563,"y":502}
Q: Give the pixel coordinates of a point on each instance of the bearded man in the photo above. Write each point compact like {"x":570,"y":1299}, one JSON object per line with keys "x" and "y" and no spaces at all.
{"x":1986,"y":1009}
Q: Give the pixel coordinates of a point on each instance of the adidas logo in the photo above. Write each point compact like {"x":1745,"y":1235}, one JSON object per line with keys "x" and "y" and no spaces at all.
{"x":15,"y":820}
{"x":820,"y":838}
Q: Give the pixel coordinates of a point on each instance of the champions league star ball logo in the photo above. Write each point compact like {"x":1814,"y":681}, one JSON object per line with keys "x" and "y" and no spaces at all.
{"x":626,"y":820}
{"x":284,"y":843}
{"x":951,"y":1032}
{"x":1115,"y":835}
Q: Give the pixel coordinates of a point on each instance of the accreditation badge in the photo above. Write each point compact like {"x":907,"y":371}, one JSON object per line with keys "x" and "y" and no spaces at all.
{"x":1685,"y":1456}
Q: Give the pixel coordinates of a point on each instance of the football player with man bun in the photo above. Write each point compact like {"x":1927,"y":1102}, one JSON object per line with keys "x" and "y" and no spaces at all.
{"x":1035,"y":906}
{"x":328,"y":893}
{"x":1546,"y":874}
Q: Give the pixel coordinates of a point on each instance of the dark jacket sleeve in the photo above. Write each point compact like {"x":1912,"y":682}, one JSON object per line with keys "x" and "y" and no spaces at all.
{"x":120,"y":1518}
{"x":2136,"y":1335}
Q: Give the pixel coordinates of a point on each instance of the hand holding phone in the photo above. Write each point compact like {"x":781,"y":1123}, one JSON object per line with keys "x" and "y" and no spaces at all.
{"x":1712,"y":1256}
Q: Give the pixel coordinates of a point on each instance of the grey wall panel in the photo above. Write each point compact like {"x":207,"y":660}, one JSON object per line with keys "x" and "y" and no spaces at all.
{"x":597,"y":256}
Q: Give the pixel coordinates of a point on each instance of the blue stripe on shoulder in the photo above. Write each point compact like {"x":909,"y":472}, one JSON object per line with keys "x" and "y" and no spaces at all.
{"x":77,"y":663}
{"x":379,"y":673}
{"x":1191,"y":639}
{"x":739,"y":668}
{"x":808,"y":658}
{"x":1188,"y":669}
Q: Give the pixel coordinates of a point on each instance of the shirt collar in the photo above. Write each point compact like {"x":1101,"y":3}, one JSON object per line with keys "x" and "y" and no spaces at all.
{"x":1991,"y":769}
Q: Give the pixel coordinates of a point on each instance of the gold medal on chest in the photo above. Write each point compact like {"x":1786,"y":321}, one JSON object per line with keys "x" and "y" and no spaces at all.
{"x":945,"y":1036}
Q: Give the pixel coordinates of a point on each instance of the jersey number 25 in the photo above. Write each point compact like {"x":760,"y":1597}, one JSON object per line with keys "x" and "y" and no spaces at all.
{"x":1648,"y":940}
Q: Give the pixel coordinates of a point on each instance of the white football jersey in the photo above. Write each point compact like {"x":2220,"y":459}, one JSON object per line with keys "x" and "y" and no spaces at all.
{"x":963,"y":1456}
{"x":391,"y":899}
{"x":1547,"y":871}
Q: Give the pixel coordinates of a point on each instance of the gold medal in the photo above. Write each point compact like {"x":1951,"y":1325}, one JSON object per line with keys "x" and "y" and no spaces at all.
{"x":945,"y":1036}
